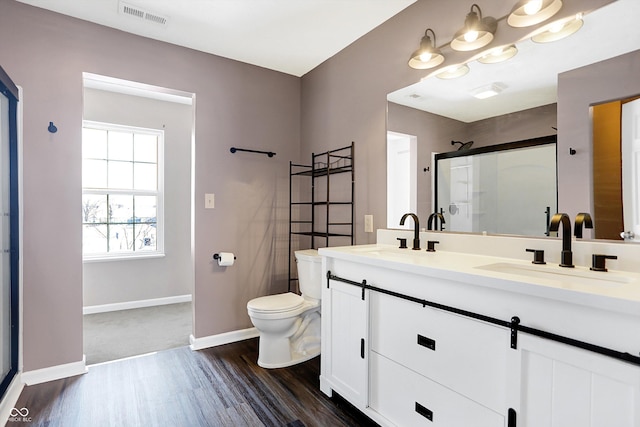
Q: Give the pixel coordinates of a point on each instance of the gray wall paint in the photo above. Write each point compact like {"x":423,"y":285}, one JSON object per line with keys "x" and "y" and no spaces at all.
{"x":342,"y":100}
{"x":578,"y":89}
{"x":435,"y":133}
{"x":236,"y":104}
{"x":108,"y":282}
{"x":345,"y":97}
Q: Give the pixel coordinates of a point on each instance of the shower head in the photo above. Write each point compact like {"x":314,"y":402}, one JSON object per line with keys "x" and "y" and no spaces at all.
{"x":463,"y":145}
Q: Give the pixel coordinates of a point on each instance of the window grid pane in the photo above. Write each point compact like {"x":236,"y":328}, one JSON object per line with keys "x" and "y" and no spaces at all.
{"x":123,"y":221}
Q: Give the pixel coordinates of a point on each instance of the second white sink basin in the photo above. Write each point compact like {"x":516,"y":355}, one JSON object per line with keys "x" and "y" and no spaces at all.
{"x":560,"y":274}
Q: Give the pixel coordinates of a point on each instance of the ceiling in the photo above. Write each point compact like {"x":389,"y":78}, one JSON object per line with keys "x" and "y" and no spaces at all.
{"x":291,"y":36}
{"x":530,"y":78}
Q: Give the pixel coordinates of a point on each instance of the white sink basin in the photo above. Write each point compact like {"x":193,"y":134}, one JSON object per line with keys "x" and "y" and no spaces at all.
{"x":559,"y":274}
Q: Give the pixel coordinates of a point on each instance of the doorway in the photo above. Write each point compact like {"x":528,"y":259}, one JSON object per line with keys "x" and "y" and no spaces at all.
{"x":614,"y":126}
{"x":401,"y":177}
{"x":137,"y":269}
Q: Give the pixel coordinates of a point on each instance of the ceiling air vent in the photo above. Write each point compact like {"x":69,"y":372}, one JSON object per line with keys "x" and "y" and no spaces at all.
{"x":140,"y":13}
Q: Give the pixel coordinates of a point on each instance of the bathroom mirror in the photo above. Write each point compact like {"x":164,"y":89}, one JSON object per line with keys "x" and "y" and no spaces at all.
{"x":507,"y":188}
{"x":439,"y":114}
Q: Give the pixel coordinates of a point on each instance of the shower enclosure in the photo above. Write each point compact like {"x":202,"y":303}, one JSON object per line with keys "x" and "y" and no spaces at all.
{"x":8,"y":231}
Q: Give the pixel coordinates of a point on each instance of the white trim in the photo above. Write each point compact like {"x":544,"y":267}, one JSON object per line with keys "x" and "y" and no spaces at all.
{"x":224,"y":338}
{"x":118,"y":257}
{"x":20,"y":231}
{"x":57,"y":372}
{"x":112,"y":84}
{"x":10,"y":398}
{"x":158,"y":192}
{"x":103,"y":308}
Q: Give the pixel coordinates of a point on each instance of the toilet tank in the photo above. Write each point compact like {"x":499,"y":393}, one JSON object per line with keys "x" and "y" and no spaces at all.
{"x":309,"y":273}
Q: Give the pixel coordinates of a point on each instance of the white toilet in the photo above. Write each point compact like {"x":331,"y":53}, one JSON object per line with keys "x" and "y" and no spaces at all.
{"x":289,"y":324}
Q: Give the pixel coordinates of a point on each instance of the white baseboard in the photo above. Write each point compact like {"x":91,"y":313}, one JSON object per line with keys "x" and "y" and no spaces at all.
{"x":10,"y":398}
{"x":92,"y":309}
{"x":55,"y":372}
{"x":220,"y":339}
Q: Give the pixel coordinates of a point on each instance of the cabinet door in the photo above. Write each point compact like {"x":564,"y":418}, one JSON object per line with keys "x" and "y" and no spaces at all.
{"x":464,"y":354}
{"x":408,"y":399}
{"x":346,"y":315}
{"x":564,"y":386}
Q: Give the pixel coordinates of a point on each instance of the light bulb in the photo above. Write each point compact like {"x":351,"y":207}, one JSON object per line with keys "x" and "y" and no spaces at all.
{"x":533,"y":7}
{"x":497,"y":51}
{"x":471,"y":36}
{"x":556,"y":27}
{"x":425,"y":57}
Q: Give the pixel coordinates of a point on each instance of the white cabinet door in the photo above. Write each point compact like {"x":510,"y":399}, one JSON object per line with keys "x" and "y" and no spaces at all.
{"x":345,"y":341}
{"x":564,"y":386}
{"x":406,"y":398}
{"x":461,"y":353}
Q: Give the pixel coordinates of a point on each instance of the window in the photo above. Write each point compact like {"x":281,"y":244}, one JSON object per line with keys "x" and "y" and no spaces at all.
{"x":122,"y":190}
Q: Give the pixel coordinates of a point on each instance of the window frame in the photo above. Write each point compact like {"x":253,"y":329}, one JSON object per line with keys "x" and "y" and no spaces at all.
{"x":159,"y":193}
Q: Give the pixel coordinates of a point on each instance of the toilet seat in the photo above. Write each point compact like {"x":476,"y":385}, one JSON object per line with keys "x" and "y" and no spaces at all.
{"x":278,"y":306}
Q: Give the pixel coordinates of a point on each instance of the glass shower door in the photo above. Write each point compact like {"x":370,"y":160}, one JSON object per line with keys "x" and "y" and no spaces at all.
{"x":8,"y":232}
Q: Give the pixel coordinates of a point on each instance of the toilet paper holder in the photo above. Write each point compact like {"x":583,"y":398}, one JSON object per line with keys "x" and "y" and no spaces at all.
{"x":217,"y":256}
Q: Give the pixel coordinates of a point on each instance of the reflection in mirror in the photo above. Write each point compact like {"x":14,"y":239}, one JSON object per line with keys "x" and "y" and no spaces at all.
{"x":506,"y":189}
{"x":616,"y":151}
{"x":401,"y":176}
{"x":445,"y":111}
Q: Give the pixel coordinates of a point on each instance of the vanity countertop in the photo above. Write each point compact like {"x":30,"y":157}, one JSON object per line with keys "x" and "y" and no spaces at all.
{"x":613,"y":290}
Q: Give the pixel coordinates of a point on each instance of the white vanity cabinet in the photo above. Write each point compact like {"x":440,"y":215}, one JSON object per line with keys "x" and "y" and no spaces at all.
{"x":460,"y":353}
{"x":406,"y":398}
{"x":345,"y":321}
{"x":418,"y":345}
{"x":560,"y":385}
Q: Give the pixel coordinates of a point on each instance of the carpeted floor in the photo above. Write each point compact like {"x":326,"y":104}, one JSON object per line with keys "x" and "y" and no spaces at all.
{"x":119,"y":334}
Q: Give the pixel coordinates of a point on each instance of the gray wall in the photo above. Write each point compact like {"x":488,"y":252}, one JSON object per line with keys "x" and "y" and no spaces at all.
{"x":236,"y":105}
{"x":578,"y":89}
{"x":435,"y":133}
{"x":342,"y":100}
{"x":373,"y":66}
{"x":108,"y":282}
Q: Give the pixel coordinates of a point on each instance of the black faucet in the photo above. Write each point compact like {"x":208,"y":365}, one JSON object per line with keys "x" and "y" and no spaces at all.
{"x":581,"y":218}
{"x":416,"y":230}
{"x":566,"y":257}
{"x":430,"y":221}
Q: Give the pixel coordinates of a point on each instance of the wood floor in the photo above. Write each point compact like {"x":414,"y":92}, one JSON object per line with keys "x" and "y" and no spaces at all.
{"x":220,"y":386}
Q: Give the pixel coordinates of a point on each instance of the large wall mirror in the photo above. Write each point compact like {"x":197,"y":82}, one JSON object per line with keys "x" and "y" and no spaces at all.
{"x":533,"y":104}
{"x":501,"y":189}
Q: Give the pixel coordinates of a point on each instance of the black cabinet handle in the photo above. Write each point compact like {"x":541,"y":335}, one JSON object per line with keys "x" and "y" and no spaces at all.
{"x":362,"y":348}
{"x":425,"y":412}
{"x":427,"y":342}
{"x":511,"y":418}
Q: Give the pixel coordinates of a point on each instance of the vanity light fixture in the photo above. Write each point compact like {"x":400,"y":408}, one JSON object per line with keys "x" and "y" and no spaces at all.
{"x":453,"y":72}
{"x":427,"y":55}
{"x":498,"y":54}
{"x":531,"y":12}
{"x":488,"y":91}
{"x":559,"y":30}
{"x":476,"y":33}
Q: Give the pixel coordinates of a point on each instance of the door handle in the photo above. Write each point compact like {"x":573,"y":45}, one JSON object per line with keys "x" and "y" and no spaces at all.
{"x":427,"y":342}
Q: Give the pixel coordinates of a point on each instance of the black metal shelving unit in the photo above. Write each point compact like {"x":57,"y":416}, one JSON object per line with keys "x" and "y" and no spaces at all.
{"x":320,"y":217}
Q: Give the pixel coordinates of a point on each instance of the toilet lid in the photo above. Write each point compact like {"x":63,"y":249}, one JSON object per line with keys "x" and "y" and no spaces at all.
{"x":276,"y":303}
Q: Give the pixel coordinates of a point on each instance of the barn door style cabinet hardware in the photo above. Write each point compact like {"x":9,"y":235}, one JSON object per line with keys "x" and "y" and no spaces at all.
{"x":408,"y":348}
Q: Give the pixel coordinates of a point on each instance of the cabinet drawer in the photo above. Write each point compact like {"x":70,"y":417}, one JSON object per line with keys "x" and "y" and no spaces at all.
{"x":409,"y":399}
{"x":464,"y":354}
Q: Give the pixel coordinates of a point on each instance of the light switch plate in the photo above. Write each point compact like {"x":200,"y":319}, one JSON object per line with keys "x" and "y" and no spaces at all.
{"x":368,"y":223}
{"x":209,"y":201}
